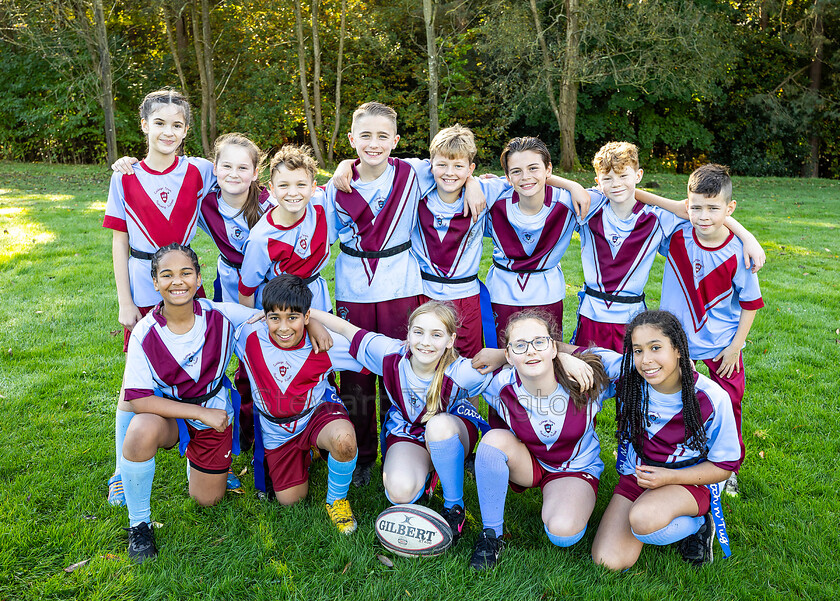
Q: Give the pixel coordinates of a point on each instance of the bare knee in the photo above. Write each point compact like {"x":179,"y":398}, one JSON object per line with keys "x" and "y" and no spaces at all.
{"x":645,"y":518}
{"x":207,"y":498}
{"x":143,"y":437}
{"x":610,"y":558}
{"x":401,"y":487}
{"x":441,"y":427}
{"x":499,"y":439}
{"x":343,"y":445}
{"x":290,"y":496}
{"x":559,"y":526}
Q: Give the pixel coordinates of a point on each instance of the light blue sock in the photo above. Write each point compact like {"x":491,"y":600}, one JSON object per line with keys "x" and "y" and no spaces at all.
{"x":564,"y":541}
{"x":137,"y":479}
{"x":491,"y":477}
{"x":678,"y":529}
{"x":123,"y":418}
{"x":448,"y":459}
{"x":339,"y":477}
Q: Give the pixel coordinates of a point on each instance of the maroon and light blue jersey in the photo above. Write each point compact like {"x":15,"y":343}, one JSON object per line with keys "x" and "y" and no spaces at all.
{"x":558,"y":435}
{"x":449,"y":245}
{"x":376,"y":217}
{"x":390,"y":358}
{"x":617,"y":255}
{"x":302,"y":249}
{"x":229,"y":230}
{"x":529,"y":248}
{"x":706,"y":288}
{"x":289,"y":382}
{"x":184,"y":366}
{"x":156,"y":208}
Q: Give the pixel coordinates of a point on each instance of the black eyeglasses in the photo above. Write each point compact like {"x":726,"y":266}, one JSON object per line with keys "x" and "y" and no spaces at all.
{"x":540,"y":343}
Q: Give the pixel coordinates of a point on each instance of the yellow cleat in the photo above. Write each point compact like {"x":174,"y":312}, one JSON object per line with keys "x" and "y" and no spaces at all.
{"x":342,"y":516}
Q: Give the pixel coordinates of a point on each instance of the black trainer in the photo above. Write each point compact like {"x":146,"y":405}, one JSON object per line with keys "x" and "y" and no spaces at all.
{"x":361,"y":474}
{"x":487,"y":549}
{"x":141,"y":543}
{"x":455,"y":516}
{"x":696,"y":548}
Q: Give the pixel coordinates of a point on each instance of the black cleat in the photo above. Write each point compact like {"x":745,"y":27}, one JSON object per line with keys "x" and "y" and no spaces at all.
{"x":361,"y":474}
{"x":141,"y":543}
{"x":487,"y":549}
{"x":455,"y":516}
{"x":696,"y":548}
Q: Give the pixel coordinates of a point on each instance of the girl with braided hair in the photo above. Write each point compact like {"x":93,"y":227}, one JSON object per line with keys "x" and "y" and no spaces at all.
{"x":676,"y":434}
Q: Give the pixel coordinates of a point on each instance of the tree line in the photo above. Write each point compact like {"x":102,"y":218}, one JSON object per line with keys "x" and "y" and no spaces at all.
{"x":753,"y":84}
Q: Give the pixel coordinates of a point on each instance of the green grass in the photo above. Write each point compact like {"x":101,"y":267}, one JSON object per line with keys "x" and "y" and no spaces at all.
{"x":60,"y":370}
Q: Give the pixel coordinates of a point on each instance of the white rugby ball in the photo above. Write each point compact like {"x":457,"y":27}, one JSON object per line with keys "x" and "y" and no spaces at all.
{"x":413,"y":530}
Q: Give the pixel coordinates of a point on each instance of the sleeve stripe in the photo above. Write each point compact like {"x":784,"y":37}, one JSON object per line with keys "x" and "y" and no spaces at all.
{"x":753,"y":304}
{"x":114,"y":223}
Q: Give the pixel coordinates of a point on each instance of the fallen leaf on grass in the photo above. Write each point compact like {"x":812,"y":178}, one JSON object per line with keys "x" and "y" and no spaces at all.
{"x":109,"y":556}
{"x":218,"y":540}
{"x":72,"y":568}
{"x":38,"y":312}
{"x":90,"y":518}
{"x":347,"y":567}
{"x":114,"y":332}
{"x":385,"y":561}
{"x":761,"y":454}
{"x":237,"y":491}
{"x":837,"y":331}
{"x":760,"y":433}
{"x":244,"y":471}
{"x":157,"y":525}
{"x":407,"y":593}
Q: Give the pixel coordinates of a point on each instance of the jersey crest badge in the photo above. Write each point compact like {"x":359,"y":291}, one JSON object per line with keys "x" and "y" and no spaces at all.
{"x":698,"y":268}
{"x":438,"y":220}
{"x":343,"y":312}
{"x":303,"y":242}
{"x":527,"y":236}
{"x":282,"y":369}
{"x":615,"y":238}
{"x":548,"y":432}
{"x":164,"y":198}
{"x":191,"y":360}
{"x":237,"y":233}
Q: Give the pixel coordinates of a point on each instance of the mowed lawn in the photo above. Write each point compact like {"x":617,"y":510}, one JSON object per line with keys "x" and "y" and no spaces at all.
{"x":60,"y":370}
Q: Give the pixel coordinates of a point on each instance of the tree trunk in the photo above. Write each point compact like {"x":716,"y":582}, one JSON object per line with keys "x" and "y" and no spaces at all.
{"x":199,"y":55}
{"x":307,"y":108}
{"x":429,"y":13}
{"x":168,"y":19}
{"x":316,"y":67}
{"x":208,"y":69}
{"x":569,"y":89}
{"x":338,"y":73}
{"x":547,"y":65}
{"x":107,"y":101}
{"x":812,"y":167}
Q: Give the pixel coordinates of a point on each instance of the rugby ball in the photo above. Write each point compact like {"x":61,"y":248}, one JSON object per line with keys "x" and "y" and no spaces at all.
{"x":413,"y":531}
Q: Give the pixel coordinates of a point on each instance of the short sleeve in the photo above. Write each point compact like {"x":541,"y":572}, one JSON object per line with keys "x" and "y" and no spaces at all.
{"x":115,"y":207}
{"x":370,"y":349}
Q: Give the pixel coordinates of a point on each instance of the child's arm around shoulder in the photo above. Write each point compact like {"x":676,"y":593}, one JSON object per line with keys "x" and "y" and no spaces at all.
{"x":580,"y":197}
{"x":334,"y":323}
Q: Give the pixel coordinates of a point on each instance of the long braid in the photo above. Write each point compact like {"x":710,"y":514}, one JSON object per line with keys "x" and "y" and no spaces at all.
{"x":632,"y":394}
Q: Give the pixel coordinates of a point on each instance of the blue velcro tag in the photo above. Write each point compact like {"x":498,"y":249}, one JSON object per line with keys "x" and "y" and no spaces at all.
{"x":488,"y":324}
{"x":717,"y":516}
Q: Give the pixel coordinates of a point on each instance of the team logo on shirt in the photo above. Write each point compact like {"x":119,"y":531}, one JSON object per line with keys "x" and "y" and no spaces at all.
{"x":380,"y":203}
{"x":191,"y":360}
{"x":237,"y":233}
{"x":163,"y":197}
{"x":527,"y":236}
{"x":615,"y":239}
{"x":303,"y":242}
{"x":547,"y":426}
{"x":343,"y":312}
{"x":282,"y":369}
{"x":698,"y":268}
{"x":654,"y":417}
{"x":438,"y":220}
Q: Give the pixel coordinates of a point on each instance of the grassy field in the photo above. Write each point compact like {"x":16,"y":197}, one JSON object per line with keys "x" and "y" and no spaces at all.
{"x":60,"y":370}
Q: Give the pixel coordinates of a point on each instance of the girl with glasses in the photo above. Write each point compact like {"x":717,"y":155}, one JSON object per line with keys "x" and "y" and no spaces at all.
{"x":550,"y":441}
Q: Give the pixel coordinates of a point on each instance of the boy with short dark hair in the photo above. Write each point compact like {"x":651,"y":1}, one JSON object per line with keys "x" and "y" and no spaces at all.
{"x":709,"y":288}
{"x":295,"y":407}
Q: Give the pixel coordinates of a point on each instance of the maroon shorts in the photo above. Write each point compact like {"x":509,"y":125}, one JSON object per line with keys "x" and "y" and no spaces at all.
{"x":629,"y":489}
{"x":472,"y":434}
{"x":503,"y":313}
{"x":542,"y":477}
{"x":470,"y":337}
{"x":288,"y":464}
{"x":594,"y":333}
{"x":734,"y":386}
{"x":209,"y":450}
